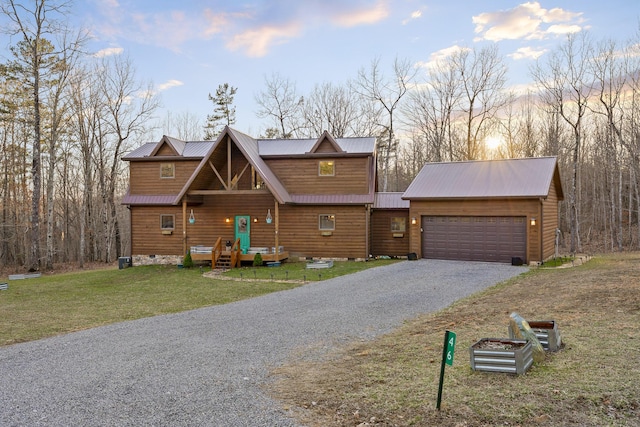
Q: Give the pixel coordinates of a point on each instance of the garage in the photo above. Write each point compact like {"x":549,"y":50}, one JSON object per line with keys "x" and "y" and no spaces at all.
{"x":474,"y":238}
{"x":485,"y":210}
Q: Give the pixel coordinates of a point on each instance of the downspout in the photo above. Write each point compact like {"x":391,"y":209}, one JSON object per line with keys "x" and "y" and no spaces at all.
{"x":277,"y":231}
{"x":367,"y":238}
{"x":541,"y":229}
{"x":184,"y":226}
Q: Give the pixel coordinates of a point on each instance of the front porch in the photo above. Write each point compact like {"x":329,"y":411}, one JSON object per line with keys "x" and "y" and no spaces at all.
{"x":232,"y":257}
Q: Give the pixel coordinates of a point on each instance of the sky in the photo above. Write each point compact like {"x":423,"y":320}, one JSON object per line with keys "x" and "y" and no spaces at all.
{"x":187,"y":48}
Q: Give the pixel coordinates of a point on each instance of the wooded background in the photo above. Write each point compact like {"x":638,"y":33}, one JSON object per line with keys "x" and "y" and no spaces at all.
{"x":67,"y":116}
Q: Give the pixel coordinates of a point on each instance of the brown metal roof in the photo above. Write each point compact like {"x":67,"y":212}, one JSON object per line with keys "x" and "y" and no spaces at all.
{"x":390,"y":201}
{"x":150,"y":200}
{"x":254,"y":150}
{"x":294,"y":147}
{"x":331,"y":199}
{"x":519,"y":178}
{"x":191,"y":149}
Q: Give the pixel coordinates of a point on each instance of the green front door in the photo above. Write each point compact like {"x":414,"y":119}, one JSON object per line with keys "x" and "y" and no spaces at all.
{"x":243,"y":227}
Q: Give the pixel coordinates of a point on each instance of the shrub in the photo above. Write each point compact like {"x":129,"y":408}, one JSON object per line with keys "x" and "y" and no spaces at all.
{"x":257,"y":260}
{"x":187,"y":262}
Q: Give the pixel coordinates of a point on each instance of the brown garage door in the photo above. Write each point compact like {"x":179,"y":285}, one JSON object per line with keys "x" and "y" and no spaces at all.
{"x":473,"y":238}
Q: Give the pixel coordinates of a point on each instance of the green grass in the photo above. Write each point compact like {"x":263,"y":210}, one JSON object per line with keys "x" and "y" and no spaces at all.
{"x":592,"y":381}
{"x":298,"y":271}
{"x":55,"y":304}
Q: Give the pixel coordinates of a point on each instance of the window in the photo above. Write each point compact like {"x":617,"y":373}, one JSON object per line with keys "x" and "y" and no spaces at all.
{"x":167,"y":170}
{"x":398,"y":224}
{"x":326,"y":168}
{"x":327,"y":222}
{"x":167,"y":221}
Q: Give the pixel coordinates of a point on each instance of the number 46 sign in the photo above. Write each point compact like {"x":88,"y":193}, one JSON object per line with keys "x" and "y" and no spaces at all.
{"x":447,"y":359}
{"x":450,"y":338}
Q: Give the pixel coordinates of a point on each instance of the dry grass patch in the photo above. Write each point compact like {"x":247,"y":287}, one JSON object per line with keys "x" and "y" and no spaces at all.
{"x":593,"y":380}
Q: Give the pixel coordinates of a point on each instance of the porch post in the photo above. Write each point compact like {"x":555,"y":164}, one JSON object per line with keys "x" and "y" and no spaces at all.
{"x":184,"y":226}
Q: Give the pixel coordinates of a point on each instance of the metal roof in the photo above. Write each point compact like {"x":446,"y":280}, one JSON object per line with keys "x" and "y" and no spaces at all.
{"x":191,"y":149}
{"x":331,"y":199}
{"x":253,"y":150}
{"x":151,"y":200}
{"x":390,"y":201}
{"x":293,"y":147}
{"x":529,"y":177}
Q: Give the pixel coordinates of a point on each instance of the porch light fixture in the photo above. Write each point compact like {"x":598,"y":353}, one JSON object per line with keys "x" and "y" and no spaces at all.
{"x":255,"y":219}
{"x":192,"y":218}
{"x":227,"y":219}
{"x":269,"y":219}
{"x":414,"y":221}
{"x":533,"y":221}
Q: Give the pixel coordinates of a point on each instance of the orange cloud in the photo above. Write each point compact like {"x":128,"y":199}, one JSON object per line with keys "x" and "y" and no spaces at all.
{"x":256,"y":42}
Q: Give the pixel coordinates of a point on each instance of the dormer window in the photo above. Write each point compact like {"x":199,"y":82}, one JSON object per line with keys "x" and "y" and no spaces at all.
{"x":327,"y":168}
{"x":167,"y":170}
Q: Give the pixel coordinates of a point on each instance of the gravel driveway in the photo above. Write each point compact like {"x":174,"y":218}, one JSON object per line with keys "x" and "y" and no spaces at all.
{"x":206,"y":367}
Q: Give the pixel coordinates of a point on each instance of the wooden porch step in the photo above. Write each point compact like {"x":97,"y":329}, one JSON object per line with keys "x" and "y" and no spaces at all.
{"x":224,"y":262}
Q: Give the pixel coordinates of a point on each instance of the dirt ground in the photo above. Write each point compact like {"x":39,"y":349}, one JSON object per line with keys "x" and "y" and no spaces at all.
{"x":593,"y":380}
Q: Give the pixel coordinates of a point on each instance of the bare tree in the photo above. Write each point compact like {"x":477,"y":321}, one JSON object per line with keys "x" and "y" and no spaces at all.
{"x":129,"y":105}
{"x":482,"y":79}
{"x":610,"y":79}
{"x":57,"y":108}
{"x":34,"y":56}
{"x":280,"y":102}
{"x":387,"y":93}
{"x":332,"y":108}
{"x":565,"y":87}
{"x":185,"y":126}
{"x":431,"y":108}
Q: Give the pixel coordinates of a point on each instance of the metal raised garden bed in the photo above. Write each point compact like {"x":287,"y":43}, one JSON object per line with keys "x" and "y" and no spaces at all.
{"x":501,"y":355}
{"x":547,"y":333}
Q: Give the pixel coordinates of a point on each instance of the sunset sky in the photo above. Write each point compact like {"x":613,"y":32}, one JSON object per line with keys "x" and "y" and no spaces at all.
{"x":187,"y":48}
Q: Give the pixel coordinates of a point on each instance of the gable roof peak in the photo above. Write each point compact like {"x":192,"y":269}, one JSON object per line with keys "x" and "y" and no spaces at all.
{"x":176,"y":145}
{"x":326,"y":136}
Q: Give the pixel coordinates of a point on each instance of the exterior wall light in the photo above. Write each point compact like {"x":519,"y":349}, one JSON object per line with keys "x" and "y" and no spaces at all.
{"x":227,"y":219}
{"x":414,"y":221}
{"x":533,"y":221}
{"x":255,"y":219}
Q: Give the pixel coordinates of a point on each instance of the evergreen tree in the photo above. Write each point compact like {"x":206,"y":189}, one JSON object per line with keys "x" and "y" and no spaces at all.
{"x":224,"y":112}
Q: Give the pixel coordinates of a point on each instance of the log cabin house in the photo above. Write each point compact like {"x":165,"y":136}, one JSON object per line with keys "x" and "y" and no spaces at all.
{"x":228,"y":199}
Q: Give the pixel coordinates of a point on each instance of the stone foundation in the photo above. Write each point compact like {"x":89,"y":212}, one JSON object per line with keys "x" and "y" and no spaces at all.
{"x":156,"y":260}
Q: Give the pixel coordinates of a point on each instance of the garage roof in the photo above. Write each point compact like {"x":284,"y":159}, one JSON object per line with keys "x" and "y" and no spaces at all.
{"x":520,"y":178}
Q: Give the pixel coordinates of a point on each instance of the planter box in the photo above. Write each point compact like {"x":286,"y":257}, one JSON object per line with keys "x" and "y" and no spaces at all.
{"x":547,"y":333}
{"x":501,"y":355}
{"x":320,"y":264}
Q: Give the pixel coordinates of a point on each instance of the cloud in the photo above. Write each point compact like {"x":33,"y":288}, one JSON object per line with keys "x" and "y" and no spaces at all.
{"x":527,"y":53}
{"x":526,"y":21}
{"x":108,"y":52}
{"x":252,"y":28}
{"x":361,"y":16}
{"x":417,"y":14}
{"x":257,"y":42}
{"x":441,"y":55}
{"x":564,"y":29}
{"x":169,"y":84}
